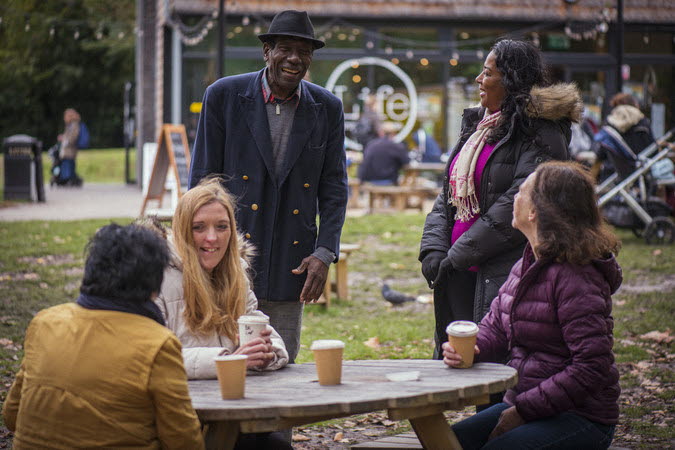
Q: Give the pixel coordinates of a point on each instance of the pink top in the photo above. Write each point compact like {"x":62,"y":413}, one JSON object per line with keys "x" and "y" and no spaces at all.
{"x":461,"y":227}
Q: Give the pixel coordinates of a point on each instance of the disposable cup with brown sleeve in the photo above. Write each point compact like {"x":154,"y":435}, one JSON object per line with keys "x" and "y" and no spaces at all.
{"x":328,"y":359}
{"x":231,"y":370}
{"x":462,"y":336}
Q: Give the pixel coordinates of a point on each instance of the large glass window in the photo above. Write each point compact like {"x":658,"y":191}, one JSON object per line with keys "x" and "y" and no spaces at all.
{"x":652,"y":86}
{"x":649,"y":42}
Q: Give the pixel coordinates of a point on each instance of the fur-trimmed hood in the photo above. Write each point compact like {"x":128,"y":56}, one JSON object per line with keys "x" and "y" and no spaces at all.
{"x":623,"y":117}
{"x":556,"y":102}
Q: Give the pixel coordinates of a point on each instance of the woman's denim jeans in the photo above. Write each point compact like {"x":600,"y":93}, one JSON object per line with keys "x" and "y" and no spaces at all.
{"x":564,"y":431}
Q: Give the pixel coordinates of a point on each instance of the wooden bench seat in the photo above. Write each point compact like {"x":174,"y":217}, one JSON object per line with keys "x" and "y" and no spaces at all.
{"x":395,"y":442}
{"x":407,"y":441}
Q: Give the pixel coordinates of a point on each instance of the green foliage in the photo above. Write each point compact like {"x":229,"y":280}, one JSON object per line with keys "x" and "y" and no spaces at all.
{"x":60,"y":54}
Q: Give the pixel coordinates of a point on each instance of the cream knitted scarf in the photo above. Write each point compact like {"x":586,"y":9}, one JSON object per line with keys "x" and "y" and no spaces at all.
{"x":462,"y":189}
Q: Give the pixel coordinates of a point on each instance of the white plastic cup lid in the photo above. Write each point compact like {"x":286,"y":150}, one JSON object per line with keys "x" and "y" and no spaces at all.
{"x":230,"y":357}
{"x":462,"y":328}
{"x":327,"y":344}
{"x":253,"y":319}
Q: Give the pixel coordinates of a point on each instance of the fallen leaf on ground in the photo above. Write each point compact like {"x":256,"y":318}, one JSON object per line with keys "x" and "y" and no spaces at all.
{"x":373,"y":342}
{"x":658,"y":336}
{"x":657,"y":252}
{"x":348,"y":424}
{"x":6,"y":342}
{"x":338,"y":436}
{"x":300,"y":438}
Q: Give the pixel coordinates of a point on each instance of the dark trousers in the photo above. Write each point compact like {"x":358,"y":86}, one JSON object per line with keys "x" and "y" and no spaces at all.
{"x":564,"y":431}
{"x":262,"y":441}
{"x":453,"y":301}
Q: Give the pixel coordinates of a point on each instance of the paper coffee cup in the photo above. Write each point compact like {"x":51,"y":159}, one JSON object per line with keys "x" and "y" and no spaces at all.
{"x":328,"y":359}
{"x":250,"y":327}
{"x":231,"y":370}
{"x":462,"y":336}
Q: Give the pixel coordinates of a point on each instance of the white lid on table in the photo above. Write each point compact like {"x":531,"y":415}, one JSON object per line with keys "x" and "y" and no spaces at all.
{"x":230,"y":357}
{"x":327,"y":344}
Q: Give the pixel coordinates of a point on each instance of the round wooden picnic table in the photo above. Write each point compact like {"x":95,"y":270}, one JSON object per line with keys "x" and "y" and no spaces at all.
{"x":292,"y":396}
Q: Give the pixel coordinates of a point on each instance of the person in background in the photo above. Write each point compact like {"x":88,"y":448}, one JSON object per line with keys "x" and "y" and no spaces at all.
{"x":553,"y":321}
{"x":367,"y":128}
{"x":68,"y":149}
{"x":383,"y":158}
{"x":427,"y":148}
{"x":278,"y":142}
{"x":105,"y":371}
{"x":468,"y":245}
{"x":206,"y":289}
{"x":626,"y":133}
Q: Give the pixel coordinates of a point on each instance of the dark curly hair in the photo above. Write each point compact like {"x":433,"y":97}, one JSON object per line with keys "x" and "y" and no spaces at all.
{"x":522,"y":67}
{"x":124,"y":263}
{"x":570,"y":227}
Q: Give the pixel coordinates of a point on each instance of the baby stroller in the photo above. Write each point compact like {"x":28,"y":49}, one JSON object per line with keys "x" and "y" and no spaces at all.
{"x":59,"y":175}
{"x":627,"y":196}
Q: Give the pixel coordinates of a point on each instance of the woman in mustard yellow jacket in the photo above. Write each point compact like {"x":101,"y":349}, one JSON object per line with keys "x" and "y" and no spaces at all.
{"x":105,"y":372}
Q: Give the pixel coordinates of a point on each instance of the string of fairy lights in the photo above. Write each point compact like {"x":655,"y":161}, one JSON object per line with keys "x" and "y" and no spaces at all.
{"x":192,"y":35}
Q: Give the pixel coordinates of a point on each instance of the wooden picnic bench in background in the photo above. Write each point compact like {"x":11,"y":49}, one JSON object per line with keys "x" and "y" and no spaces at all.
{"x":340,"y":283}
{"x":399,"y":198}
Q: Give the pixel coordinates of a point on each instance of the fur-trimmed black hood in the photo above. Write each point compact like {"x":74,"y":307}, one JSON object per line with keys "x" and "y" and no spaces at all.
{"x":556,"y":102}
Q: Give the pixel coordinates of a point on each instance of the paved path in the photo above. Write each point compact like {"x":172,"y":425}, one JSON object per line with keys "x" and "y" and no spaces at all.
{"x":98,"y":201}
{"x":91,"y":201}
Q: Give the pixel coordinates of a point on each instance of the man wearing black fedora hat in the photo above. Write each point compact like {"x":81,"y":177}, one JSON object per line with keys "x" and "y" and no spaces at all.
{"x":278,"y":142}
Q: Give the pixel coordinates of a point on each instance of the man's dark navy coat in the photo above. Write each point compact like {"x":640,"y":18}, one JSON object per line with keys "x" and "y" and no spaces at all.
{"x":276,"y":213}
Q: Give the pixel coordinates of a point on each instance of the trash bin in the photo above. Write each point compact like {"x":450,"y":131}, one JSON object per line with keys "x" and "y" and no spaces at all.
{"x":23,"y":168}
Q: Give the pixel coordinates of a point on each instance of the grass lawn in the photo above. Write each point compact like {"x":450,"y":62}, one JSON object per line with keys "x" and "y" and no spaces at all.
{"x":41,"y":265}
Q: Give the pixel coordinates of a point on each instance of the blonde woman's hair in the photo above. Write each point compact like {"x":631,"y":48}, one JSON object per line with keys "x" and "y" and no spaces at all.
{"x":213,"y":301}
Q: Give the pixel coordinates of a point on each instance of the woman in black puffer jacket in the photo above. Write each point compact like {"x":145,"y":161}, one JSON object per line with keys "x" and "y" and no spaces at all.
{"x":468,"y":245}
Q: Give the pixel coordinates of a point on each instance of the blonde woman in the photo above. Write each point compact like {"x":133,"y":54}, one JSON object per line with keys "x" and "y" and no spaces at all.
{"x":206,"y":289}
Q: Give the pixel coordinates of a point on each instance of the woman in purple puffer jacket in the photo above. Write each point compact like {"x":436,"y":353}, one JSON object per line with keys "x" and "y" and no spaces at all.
{"x":552,"y":318}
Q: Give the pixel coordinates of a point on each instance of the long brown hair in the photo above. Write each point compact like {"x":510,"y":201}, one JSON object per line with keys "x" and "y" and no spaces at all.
{"x":570,"y":227}
{"x":213,"y":302}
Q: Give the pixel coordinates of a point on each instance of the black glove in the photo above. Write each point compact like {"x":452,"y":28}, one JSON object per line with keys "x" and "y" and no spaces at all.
{"x":444,"y":270}
{"x":430,"y":265}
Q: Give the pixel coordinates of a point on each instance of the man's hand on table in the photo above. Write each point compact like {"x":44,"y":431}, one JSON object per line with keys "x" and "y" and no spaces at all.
{"x":317,"y":272}
{"x":259,"y":351}
{"x":509,"y":419}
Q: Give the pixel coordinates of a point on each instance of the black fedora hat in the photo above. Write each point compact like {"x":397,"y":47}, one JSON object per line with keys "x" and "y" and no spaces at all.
{"x":292,"y":23}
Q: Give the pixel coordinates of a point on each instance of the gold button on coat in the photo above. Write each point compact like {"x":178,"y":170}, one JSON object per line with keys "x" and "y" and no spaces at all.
{"x":296,"y":242}
{"x":296,"y":211}
{"x":245,"y":177}
{"x":254,"y":207}
{"x":247,"y":236}
{"x":306,"y":185}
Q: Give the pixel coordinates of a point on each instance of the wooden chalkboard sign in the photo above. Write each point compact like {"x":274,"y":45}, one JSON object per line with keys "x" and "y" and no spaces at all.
{"x":173,"y":153}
